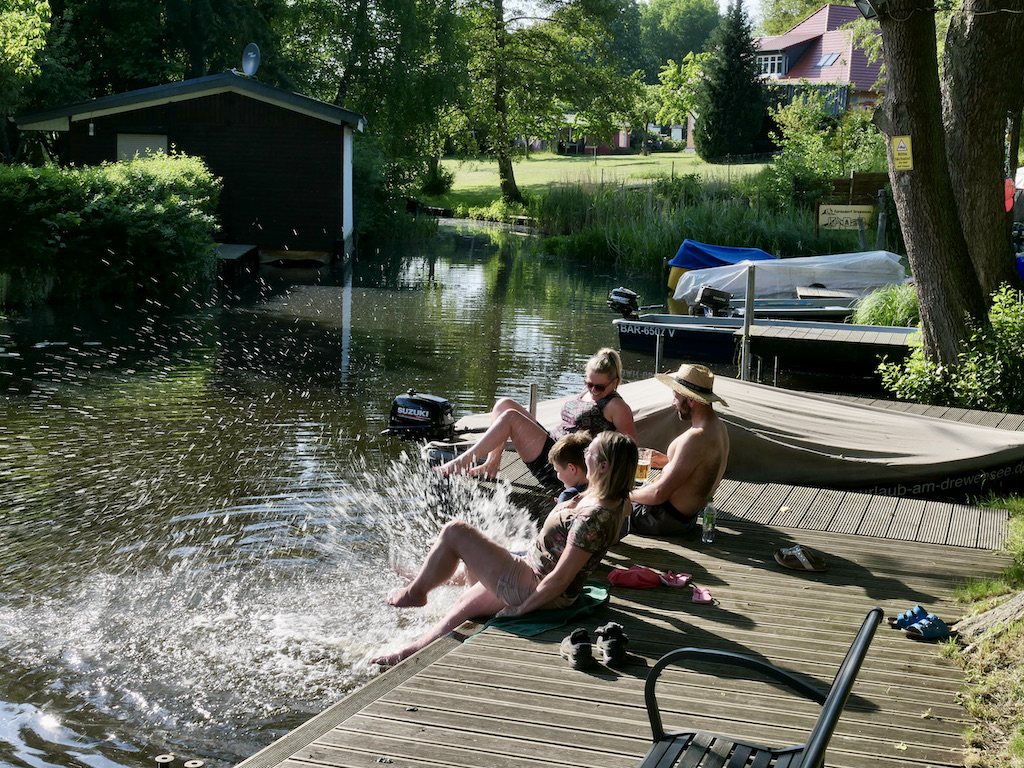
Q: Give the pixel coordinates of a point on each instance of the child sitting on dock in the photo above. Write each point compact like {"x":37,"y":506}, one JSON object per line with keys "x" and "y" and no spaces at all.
{"x":566,"y":456}
{"x":597,"y":408}
{"x":551,"y":575}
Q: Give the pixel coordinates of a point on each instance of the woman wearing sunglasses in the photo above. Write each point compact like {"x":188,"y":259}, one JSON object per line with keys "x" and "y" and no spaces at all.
{"x":598,"y":408}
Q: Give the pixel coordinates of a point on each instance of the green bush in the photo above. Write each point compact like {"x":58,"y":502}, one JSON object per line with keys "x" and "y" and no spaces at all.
{"x":143,"y":227}
{"x":436,"y":180}
{"x":891,"y":305}
{"x":990,"y":374}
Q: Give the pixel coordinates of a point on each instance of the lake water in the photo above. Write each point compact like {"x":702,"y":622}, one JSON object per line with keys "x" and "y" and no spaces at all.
{"x":199,"y":517}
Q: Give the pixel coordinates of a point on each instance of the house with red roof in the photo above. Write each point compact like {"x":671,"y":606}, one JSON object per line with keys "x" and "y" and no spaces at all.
{"x":820,"y":50}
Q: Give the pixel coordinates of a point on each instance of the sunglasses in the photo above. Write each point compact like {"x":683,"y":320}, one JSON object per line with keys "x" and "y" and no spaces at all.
{"x":597,"y":387}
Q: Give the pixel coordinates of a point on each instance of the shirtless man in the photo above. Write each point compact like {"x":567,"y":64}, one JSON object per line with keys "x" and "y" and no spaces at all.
{"x":694,"y":465}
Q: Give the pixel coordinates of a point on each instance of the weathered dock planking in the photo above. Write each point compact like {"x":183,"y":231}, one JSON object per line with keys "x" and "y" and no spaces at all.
{"x":500,"y":700}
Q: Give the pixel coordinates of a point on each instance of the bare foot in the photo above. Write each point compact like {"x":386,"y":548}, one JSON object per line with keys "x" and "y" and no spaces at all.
{"x":483,"y":471}
{"x":406,"y":598}
{"x":389,"y":659}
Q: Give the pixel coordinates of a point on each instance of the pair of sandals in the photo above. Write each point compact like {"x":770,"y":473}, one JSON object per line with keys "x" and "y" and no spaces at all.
{"x":918,"y":624}
{"x":578,"y":649}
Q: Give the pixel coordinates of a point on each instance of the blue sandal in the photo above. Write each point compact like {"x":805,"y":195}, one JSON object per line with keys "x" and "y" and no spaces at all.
{"x":929,"y":628}
{"x":908,"y":618}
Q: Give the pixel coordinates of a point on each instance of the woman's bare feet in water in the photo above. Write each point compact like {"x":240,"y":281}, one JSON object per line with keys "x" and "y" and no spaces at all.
{"x":460,"y":466}
{"x":406,"y":598}
{"x":390,"y":659}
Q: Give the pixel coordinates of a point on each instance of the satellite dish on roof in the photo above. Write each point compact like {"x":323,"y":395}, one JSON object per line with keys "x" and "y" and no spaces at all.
{"x":251,"y":59}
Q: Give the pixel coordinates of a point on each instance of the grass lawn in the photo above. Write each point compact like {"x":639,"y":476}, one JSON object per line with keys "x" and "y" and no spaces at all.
{"x":476,"y":180}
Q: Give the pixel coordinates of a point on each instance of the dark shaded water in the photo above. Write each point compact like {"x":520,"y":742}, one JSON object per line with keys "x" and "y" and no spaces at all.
{"x":198,"y":515}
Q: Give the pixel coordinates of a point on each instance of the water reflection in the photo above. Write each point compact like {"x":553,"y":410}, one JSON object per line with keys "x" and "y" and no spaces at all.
{"x":198,"y":515}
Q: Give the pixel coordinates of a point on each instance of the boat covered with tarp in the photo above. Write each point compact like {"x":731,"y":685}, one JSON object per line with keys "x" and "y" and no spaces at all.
{"x":855,"y":274}
{"x":797,"y":438}
{"x":696,"y":255}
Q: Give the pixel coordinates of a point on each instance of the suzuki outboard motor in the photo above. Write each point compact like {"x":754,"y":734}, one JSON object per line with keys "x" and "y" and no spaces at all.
{"x":624,"y":301}
{"x":421,"y":417}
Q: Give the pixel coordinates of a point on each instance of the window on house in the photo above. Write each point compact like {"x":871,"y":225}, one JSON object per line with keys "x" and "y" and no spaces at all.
{"x":142,"y":144}
{"x":827,"y":60}
{"x":773,"y":65}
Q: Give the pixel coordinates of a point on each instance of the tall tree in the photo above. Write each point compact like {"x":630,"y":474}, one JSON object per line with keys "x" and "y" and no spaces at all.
{"x":677,"y":93}
{"x":671,"y":29}
{"x":953,"y":187}
{"x":23,"y":28}
{"x":730,"y":97}
{"x":981,"y":92}
{"x":529,"y":65}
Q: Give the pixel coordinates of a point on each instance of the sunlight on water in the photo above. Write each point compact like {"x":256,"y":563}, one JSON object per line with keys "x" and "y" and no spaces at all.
{"x":199,"y":518}
{"x":250,"y":612}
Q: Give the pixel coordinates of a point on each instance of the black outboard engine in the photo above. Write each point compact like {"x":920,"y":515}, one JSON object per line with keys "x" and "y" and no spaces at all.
{"x":624,"y":301}
{"x":421,"y":417}
{"x":714,"y":301}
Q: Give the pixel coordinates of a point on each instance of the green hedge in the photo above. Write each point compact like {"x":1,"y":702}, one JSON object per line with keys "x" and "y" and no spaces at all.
{"x":138,"y":228}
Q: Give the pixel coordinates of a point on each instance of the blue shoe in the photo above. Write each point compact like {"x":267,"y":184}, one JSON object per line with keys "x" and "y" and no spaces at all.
{"x":929,"y":628}
{"x":908,"y":618}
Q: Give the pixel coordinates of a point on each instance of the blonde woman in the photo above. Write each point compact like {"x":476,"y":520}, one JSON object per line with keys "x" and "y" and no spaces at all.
{"x":551,"y":574}
{"x":599,"y":407}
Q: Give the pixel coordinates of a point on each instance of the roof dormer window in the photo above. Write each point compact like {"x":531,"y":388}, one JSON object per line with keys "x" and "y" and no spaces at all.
{"x":772,"y":64}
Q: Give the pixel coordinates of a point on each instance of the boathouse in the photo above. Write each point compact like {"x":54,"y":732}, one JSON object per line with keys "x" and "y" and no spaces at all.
{"x":285,"y":159}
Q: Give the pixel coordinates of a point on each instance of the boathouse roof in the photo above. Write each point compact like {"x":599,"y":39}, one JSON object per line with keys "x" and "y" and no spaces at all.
{"x":60,"y":118}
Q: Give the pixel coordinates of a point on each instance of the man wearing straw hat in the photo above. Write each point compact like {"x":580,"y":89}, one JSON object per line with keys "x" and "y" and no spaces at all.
{"x":694,"y":464}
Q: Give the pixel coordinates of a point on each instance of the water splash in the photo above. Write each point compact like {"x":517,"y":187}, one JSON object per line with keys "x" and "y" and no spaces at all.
{"x":240,"y":621}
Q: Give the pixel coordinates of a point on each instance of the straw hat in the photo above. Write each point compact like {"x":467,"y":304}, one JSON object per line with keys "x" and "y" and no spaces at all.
{"x":692,"y":381}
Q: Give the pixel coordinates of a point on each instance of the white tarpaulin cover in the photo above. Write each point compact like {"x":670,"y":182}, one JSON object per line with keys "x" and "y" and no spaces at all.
{"x":796,"y":438}
{"x":779,"y":278}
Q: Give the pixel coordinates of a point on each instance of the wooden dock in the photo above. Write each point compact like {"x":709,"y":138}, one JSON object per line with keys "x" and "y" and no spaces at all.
{"x":505,"y":701}
{"x":810,"y":346}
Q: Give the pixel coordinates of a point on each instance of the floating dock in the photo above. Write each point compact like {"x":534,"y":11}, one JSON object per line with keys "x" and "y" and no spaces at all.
{"x":504,"y":701}
{"x":494,"y":699}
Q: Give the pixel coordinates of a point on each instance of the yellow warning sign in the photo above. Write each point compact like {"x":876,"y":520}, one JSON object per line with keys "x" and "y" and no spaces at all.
{"x":902,"y":154}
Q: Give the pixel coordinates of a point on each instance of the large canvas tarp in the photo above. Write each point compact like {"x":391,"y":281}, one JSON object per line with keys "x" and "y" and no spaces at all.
{"x":779,"y":278}
{"x":796,"y":438}
{"x":695,"y":255}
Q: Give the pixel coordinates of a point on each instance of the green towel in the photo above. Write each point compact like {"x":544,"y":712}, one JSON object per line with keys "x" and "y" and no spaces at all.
{"x":591,"y":598}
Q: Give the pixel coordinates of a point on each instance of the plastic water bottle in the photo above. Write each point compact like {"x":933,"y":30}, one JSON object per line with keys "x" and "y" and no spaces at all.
{"x":707,"y":521}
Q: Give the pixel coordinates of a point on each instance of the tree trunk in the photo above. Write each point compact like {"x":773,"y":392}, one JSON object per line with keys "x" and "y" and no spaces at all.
{"x":355,"y":52}
{"x":502,"y":140}
{"x":982,"y":85}
{"x":507,"y":178}
{"x":992,"y":622}
{"x":947,"y":287}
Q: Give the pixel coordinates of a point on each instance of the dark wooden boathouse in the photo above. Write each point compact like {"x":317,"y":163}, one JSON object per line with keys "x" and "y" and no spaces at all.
{"x":285,"y":159}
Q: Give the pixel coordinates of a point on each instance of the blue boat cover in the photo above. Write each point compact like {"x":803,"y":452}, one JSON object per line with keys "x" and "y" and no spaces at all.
{"x":694,"y":255}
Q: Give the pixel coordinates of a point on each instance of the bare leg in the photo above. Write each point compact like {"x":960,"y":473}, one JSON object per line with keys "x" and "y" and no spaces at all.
{"x":511,"y":422}
{"x":485,"y":561}
{"x":475,"y":601}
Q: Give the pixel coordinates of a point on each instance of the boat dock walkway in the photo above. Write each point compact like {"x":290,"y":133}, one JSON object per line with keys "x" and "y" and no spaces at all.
{"x":850,"y":344}
{"x":505,"y":701}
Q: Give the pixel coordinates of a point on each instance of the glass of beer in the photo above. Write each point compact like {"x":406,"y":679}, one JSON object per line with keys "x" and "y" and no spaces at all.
{"x":643,"y":465}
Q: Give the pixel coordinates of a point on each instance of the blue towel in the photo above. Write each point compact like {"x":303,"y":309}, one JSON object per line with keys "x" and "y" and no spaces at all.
{"x":591,"y":598}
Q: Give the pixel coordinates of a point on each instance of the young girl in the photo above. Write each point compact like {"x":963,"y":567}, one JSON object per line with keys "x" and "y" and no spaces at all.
{"x":551,"y":574}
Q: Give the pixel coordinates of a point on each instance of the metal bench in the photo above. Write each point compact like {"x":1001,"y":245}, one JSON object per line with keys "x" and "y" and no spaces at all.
{"x":701,"y":748}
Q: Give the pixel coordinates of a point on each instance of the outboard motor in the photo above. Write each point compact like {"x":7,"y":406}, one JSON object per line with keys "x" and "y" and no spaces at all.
{"x":714,"y":301}
{"x":624,"y":301}
{"x":421,"y":417}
